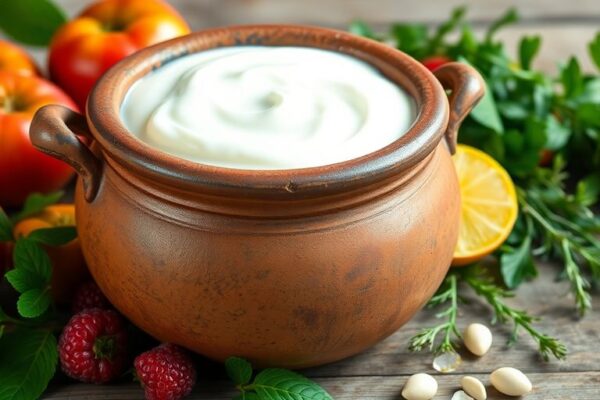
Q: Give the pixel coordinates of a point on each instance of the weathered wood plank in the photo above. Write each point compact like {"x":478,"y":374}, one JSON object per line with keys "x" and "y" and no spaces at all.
{"x":377,"y":373}
{"x":339,"y":12}
{"x":563,"y":386}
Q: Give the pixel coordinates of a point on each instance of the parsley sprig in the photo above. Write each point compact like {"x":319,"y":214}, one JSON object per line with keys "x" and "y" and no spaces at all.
{"x":545,"y":130}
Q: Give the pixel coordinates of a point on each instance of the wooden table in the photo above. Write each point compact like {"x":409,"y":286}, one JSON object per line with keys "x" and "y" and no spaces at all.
{"x":380,"y":372}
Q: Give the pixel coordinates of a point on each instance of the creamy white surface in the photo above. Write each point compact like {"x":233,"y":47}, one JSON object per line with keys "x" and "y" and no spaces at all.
{"x":255,"y":107}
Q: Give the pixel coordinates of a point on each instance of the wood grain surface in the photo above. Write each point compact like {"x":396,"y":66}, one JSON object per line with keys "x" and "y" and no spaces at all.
{"x":380,"y":372}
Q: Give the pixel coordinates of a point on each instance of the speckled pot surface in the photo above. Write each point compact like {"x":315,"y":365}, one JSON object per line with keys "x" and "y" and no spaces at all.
{"x":291,"y":268}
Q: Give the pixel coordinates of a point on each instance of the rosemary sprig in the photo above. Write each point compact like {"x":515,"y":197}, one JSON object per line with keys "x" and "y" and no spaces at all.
{"x":520,"y":319}
{"x":426,"y":338}
{"x":484,"y":286}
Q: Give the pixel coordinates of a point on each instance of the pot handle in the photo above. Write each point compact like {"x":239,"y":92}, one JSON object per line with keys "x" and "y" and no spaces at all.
{"x":466,"y":88}
{"x":54,"y":131}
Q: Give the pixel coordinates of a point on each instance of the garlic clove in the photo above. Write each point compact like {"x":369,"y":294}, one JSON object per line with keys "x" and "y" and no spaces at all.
{"x":460,"y":395}
{"x":478,"y":339}
{"x":420,"y":387}
{"x":510,"y":381}
{"x":473,"y":387}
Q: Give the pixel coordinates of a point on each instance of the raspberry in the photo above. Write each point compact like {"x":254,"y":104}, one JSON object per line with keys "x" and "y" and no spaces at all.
{"x":166,"y":372}
{"x":93,"y":346}
{"x":89,"y":295}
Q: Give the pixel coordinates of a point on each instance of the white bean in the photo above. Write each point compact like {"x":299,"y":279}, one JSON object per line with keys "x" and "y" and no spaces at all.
{"x":478,"y":339}
{"x":510,"y":381}
{"x":420,"y":387}
{"x":473,"y":387}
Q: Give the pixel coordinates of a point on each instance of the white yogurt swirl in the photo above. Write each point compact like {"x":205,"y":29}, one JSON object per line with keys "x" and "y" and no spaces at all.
{"x":257,"y":107}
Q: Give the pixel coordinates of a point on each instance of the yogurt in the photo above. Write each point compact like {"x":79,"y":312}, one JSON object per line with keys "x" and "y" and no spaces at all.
{"x":264,"y":108}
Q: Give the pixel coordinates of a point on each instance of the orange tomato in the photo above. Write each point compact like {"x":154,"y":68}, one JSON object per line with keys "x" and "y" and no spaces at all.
{"x":68,"y":265}
{"x":23,"y":169}
{"x":107,"y":31}
{"x":14,"y":59}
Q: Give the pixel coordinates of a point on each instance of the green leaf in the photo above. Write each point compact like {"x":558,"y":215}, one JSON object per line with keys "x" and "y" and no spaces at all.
{"x":55,"y":236}
{"x":594,"y":48}
{"x":572,"y":78}
{"x":511,"y":16}
{"x":361,"y":28}
{"x":31,"y":22}
{"x":516,"y":263}
{"x":486,"y":112}
{"x":528,"y":48}
{"x":33,"y":303}
{"x":29,"y":256}
{"x":247,"y":396}
{"x":23,"y":280}
{"x":557,"y":135}
{"x":36,"y":202}
{"x":444,"y":29}
{"x":410,"y":38}
{"x":281,"y":384}
{"x":28,"y":361}
{"x":6,"y":227}
{"x":588,"y":191}
{"x":238,"y":370}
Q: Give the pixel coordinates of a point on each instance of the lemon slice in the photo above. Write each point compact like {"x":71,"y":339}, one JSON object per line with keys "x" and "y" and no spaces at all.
{"x":489,"y":205}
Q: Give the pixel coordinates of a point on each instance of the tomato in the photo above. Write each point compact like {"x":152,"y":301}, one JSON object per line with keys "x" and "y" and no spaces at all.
{"x":14,"y":59}
{"x":434,"y":62}
{"x":23,"y":169}
{"x":107,"y":31}
{"x":68,"y":265}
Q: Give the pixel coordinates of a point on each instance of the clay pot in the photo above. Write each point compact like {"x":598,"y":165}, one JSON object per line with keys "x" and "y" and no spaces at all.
{"x":292,"y":268}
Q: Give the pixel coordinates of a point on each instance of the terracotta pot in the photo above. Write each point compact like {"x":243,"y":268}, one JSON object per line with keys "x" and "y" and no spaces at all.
{"x":292,"y":268}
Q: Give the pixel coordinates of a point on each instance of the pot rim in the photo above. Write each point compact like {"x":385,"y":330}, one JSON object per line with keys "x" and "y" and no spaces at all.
{"x":120,"y":145}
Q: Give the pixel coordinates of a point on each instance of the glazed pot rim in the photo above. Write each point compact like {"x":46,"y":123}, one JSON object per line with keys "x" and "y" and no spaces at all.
{"x":120,"y":145}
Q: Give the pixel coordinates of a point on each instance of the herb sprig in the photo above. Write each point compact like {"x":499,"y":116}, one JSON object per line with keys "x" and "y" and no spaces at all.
{"x":545,"y":130}
{"x":271,"y":383}
{"x":480,"y":281}
{"x":28,"y":351}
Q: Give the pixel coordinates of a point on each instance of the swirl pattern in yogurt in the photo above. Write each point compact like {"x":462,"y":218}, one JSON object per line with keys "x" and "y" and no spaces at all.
{"x":264,"y":108}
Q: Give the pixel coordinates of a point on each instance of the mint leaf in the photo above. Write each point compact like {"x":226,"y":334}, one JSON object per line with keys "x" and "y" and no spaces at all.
{"x":238,"y":370}
{"x":516,"y":263}
{"x":528,"y":48}
{"x":247,"y":396}
{"x":31,"y":22}
{"x":6,"y":227}
{"x":23,"y":280}
{"x":36,"y":202}
{"x":594,"y":48}
{"x":34,"y":302}
{"x":281,"y":384}
{"x":55,"y":236}
{"x":28,"y":361}
{"x":29,"y":256}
